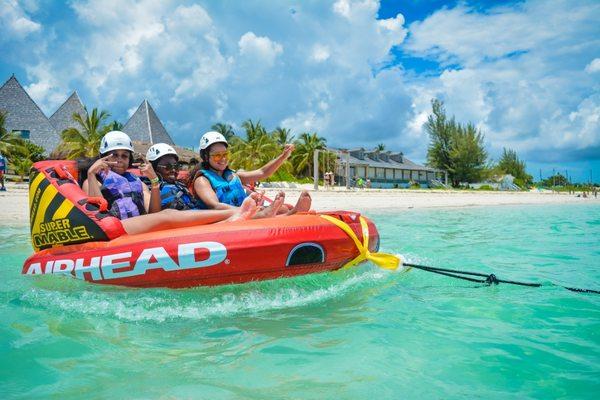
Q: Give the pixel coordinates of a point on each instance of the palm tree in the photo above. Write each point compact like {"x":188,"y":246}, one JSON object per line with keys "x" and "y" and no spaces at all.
{"x":224,"y":129}
{"x":303,"y":155}
{"x":253,"y":130}
{"x":22,"y":167}
{"x":8,"y":140}
{"x":251,"y":154}
{"x":116,"y":126}
{"x":85,"y":142}
{"x":283,"y":136}
{"x":380,"y":147}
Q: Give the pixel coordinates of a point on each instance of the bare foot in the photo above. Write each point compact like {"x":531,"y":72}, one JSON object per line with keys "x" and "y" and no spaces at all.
{"x":272,"y":209}
{"x":246,"y":211}
{"x":260,"y":199}
{"x":303,"y":203}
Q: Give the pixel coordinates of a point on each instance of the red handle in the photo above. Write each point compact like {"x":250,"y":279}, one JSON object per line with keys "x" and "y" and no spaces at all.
{"x":100,"y":202}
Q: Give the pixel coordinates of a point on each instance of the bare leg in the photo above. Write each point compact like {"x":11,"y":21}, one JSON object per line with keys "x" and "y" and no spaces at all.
{"x":170,"y":219}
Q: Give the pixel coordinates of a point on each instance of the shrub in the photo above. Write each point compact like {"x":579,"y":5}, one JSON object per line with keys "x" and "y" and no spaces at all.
{"x":485,"y":187}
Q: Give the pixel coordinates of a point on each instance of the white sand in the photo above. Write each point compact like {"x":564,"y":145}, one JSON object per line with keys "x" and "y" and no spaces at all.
{"x":402,"y":199}
{"x":14,"y":202}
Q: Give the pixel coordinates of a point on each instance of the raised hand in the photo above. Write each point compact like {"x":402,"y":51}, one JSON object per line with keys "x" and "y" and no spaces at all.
{"x":146,"y":170}
{"x":288,"y":148}
{"x":101,"y":164}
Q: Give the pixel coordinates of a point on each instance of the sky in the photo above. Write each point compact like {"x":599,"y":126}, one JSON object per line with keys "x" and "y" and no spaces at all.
{"x":359,"y":73}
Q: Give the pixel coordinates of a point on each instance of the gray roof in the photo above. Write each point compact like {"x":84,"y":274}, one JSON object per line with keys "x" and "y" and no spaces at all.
{"x":63,"y":117}
{"x":144,"y":126}
{"x":376,"y":162}
{"x":22,"y":113}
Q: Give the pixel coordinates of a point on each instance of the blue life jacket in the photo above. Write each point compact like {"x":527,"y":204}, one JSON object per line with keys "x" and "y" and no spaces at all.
{"x":124,"y":194}
{"x":176,"y":196}
{"x":228,"y":188}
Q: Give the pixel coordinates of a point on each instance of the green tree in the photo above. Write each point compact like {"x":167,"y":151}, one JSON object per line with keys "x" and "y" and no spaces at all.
{"x":556,"y":180}
{"x":468,"y":155}
{"x":303,"y":156}
{"x":256,"y":150}
{"x":380,"y":147}
{"x":85,"y":140}
{"x":440,"y":131}
{"x":253,"y":130}
{"x":116,"y":126}
{"x":455,"y":148}
{"x":25,"y":149}
{"x":282,"y":136}
{"x":511,"y":164}
{"x":21,"y":167}
{"x":23,"y":154}
{"x":224,"y":129}
{"x":8,"y":140}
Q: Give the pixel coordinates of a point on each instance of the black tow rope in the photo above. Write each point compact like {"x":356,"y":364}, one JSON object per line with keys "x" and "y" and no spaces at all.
{"x":487,"y":279}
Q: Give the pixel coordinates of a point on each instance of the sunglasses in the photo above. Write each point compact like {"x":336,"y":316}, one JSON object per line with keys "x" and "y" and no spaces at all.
{"x":169,"y":167}
{"x":219,"y":156}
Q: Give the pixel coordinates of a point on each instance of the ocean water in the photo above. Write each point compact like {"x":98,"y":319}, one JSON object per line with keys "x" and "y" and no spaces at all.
{"x":352,"y":334}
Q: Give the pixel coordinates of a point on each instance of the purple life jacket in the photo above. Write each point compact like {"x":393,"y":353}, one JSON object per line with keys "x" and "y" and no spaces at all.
{"x":124,"y":194}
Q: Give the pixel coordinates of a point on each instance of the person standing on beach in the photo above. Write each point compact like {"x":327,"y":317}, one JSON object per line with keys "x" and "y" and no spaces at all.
{"x":2,"y":172}
{"x":326,"y":181}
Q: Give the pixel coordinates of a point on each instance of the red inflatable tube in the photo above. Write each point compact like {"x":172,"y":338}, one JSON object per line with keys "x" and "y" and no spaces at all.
{"x":72,"y":234}
{"x":214,"y":254}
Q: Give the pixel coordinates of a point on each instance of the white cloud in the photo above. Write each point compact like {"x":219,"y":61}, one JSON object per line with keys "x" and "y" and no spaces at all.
{"x":47,"y":91}
{"x":525,"y":87}
{"x":355,"y":9}
{"x":522,"y":73}
{"x":15,"y":21}
{"x":593,"y":66}
{"x":320,"y":53}
{"x":259,"y":48}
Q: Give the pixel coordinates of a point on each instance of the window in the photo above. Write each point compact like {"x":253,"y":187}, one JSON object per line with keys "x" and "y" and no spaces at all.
{"x":306,"y":253}
{"x":23,"y":134}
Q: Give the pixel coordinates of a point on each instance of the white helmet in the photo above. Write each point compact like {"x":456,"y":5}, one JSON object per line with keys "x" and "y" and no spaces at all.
{"x":211,"y":137}
{"x":115,"y":140}
{"x":158,"y":150}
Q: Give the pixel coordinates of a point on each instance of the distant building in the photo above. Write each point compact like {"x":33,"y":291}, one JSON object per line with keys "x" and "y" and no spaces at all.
{"x":385,"y":169}
{"x":145,"y":126}
{"x":25,"y":118}
{"x":63,"y":117}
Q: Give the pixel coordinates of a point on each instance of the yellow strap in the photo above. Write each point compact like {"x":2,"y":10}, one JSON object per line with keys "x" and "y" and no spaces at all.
{"x":382,"y":260}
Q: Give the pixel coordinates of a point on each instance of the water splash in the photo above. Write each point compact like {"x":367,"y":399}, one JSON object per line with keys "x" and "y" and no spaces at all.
{"x":202,"y":303}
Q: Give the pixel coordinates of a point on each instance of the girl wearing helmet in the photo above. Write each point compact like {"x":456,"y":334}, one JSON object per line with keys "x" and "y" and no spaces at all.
{"x":173,"y":194}
{"x":108,"y":177}
{"x":218,"y":187}
{"x":127,"y":195}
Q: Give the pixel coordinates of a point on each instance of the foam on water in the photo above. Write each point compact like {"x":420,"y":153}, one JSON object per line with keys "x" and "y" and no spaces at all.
{"x":160,"y":305}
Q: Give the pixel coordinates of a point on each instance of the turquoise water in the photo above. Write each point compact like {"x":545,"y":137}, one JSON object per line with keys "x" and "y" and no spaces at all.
{"x":351,"y":334}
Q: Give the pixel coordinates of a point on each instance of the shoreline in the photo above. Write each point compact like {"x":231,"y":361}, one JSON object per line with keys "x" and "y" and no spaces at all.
{"x":14,"y":203}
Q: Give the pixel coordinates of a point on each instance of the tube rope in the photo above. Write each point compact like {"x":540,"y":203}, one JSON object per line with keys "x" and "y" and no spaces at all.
{"x":490,"y":279}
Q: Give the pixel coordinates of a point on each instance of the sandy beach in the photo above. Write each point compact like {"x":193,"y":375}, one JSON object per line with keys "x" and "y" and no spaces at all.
{"x":14,"y":202}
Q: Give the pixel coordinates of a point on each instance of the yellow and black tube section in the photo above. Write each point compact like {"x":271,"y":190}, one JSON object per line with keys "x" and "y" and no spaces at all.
{"x":54,"y":218}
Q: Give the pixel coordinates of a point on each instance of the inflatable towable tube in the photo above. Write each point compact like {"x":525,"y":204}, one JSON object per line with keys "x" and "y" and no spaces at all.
{"x":72,"y":234}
